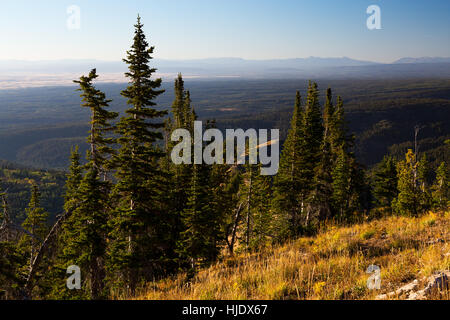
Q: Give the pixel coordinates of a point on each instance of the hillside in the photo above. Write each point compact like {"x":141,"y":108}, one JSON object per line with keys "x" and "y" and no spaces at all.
{"x":331,"y":265}
{"x":16,"y":181}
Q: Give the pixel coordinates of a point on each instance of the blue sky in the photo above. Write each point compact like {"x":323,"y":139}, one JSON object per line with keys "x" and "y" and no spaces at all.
{"x":251,"y":29}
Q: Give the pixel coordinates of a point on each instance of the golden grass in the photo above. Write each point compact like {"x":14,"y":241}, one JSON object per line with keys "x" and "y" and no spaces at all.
{"x":331,"y":265}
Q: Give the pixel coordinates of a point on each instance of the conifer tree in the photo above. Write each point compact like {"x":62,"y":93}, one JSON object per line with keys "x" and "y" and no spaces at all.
{"x":441,"y":188}
{"x":221,"y":185}
{"x":408,"y":200}
{"x":320,"y":197}
{"x":138,"y":225}
{"x":179,"y":103}
{"x":341,"y":184}
{"x":289,"y":183}
{"x":423,"y":179}
{"x":73,"y":180}
{"x":262,"y":217}
{"x":338,"y":130}
{"x":348,"y":176}
{"x":386,"y":181}
{"x":35,"y":223}
{"x":100,"y":125}
{"x":198,"y":238}
{"x":12,"y":259}
{"x":67,"y":234}
{"x":85,"y":241}
{"x":310,"y":151}
{"x":189,"y":114}
{"x":204,"y":214}
{"x":85,"y":231}
{"x":181,"y":174}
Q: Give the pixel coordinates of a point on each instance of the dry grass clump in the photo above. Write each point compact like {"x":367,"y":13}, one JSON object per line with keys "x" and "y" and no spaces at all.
{"x":331,"y":265}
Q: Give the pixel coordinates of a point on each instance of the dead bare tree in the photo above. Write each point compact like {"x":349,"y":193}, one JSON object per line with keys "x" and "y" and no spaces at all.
{"x":40,"y":254}
{"x":237,"y":218}
{"x":417,"y":130}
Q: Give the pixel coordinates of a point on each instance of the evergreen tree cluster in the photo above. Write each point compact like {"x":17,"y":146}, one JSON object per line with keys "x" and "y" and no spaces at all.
{"x":319,"y":178}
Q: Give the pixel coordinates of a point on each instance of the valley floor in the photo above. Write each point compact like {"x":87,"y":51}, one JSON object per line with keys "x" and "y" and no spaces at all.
{"x":331,"y":265}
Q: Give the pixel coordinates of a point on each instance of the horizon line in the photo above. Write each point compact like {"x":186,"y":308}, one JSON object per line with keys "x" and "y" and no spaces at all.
{"x":229,"y":58}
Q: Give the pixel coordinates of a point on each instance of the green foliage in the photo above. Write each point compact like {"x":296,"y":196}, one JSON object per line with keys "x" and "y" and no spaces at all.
{"x":441,"y":188}
{"x":180,"y":176}
{"x":408,"y":201}
{"x":100,"y":143}
{"x":385,"y":182}
{"x":319,"y":177}
{"x":263,"y":221}
{"x":137,"y":225}
{"x":199,"y":238}
{"x":424,"y":173}
{"x":85,"y":231}
{"x":11,"y":260}
{"x":289,"y":183}
{"x":341,"y":185}
{"x":36,"y":223}
{"x":16,"y":180}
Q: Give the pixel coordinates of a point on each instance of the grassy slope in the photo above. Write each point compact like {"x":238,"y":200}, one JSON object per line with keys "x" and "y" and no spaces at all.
{"x":331,"y":265}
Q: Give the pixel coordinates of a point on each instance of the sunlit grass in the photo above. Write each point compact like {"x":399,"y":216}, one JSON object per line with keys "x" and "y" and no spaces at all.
{"x":331,"y":265}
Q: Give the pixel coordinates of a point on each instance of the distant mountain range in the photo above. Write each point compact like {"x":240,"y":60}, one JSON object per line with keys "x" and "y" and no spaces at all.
{"x":424,"y":60}
{"x":15,"y":73}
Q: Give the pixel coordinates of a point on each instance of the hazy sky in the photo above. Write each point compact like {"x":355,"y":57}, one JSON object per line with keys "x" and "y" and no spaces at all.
{"x":251,"y":29}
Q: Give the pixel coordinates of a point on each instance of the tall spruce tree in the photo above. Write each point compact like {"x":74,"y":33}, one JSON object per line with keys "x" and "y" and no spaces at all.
{"x":85,"y":230}
{"x":348,"y":176}
{"x":320,"y":197}
{"x":313,"y":132}
{"x":139,"y":221}
{"x":181,"y":174}
{"x":289,"y":183}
